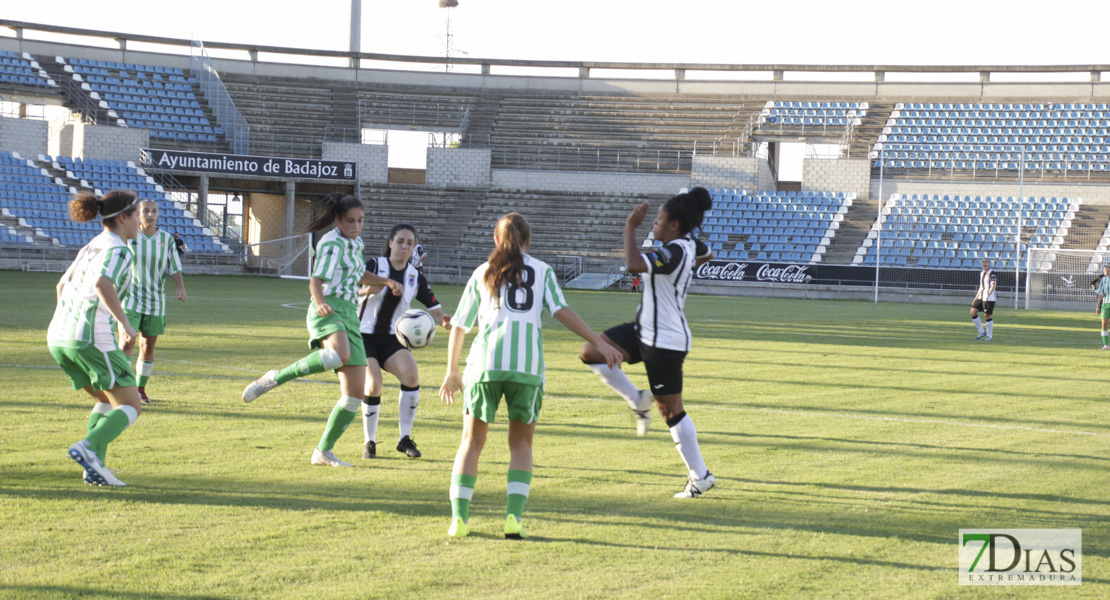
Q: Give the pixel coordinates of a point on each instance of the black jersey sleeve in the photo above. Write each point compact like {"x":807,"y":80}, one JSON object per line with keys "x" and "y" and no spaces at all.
{"x":664,"y":259}
{"x":424,"y":292}
{"x":701,"y":250}
{"x":372,"y":266}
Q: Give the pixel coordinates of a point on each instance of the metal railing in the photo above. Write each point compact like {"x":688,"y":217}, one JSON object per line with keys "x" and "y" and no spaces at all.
{"x":236,"y":130}
{"x":577,"y":158}
{"x":384,"y":114}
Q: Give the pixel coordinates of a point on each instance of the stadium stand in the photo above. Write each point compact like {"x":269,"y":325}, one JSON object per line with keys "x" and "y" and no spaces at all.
{"x":22,"y":69}
{"x":156,"y":98}
{"x":37,"y":198}
{"x":956,"y":232}
{"x":774,"y":226}
{"x":813,"y":114}
{"x":1054,"y":136}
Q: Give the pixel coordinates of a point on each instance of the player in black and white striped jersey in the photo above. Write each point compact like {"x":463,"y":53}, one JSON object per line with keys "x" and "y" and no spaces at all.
{"x":660,"y":336}
{"x":984,"y":302}
{"x":378,"y":312}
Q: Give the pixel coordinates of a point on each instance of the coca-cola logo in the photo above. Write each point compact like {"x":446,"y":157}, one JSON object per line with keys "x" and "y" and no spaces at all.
{"x":733,"y":271}
{"x":787,"y":274}
{"x":722,"y":271}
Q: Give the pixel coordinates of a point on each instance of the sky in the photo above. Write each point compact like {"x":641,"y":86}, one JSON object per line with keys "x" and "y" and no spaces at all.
{"x":704,"y":31}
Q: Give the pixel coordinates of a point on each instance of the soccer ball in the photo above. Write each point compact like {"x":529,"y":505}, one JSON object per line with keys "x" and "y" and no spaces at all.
{"x":415,"y":328}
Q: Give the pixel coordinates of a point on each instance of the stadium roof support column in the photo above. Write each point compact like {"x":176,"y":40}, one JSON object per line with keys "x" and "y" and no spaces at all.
{"x":202,"y":200}
{"x":356,"y":31}
{"x":290,"y":206}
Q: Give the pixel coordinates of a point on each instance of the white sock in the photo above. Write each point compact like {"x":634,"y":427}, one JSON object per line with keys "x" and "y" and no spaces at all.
{"x":990,"y":328}
{"x":978,"y":324}
{"x":101,"y":408}
{"x":685,"y":438}
{"x":143,"y":368}
{"x":621,"y":384}
{"x":406,"y":410}
{"x":371,"y":406}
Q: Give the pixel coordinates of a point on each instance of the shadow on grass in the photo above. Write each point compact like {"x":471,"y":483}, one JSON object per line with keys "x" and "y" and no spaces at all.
{"x":62,"y":591}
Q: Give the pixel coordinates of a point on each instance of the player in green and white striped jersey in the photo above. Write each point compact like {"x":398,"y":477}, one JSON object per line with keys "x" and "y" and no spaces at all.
{"x":81,"y":337}
{"x":333,"y":324}
{"x":1101,"y":287}
{"x":504,"y":298}
{"x":155,"y":257}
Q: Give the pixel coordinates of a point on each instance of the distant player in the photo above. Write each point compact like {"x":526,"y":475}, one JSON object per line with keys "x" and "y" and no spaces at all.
{"x":332,"y":319}
{"x":378,"y":311}
{"x":660,"y":336}
{"x":156,"y":255}
{"x":1101,"y":287}
{"x":81,"y":337}
{"x":504,"y":298}
{"x":418,"y":256}
{"x":984,"y":302}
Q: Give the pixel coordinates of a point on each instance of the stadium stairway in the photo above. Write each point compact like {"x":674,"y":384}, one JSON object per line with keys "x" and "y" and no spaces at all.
{"x":1087,"y":226}
{"x":864,"y":135}
{"x":853,"y":229}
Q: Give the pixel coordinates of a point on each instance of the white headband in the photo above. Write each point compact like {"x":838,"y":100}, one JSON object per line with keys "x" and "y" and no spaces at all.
{"x":124,"y":209}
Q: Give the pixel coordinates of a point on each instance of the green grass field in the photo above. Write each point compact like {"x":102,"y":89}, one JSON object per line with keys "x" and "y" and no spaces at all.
{"x":851,"y":442}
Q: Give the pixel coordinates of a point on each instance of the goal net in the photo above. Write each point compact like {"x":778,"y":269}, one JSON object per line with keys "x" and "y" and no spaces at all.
{"x":1061,"y":279}
{"x":283,"y":257}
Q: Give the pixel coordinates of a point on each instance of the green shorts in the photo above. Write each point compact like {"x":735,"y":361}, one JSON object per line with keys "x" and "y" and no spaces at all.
{"x":524,"y":400}
{"x":87,"y":366}
{"x":1106,"y":309}
{"x":148,"y":325}
{"x":345,"y":319}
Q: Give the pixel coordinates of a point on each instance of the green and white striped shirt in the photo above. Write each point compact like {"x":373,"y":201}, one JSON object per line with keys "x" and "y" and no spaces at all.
{"x":155,"y":257}
{"x":338,"y":263}
{"x":509,"y":346}
{"x":80,"y":318}
{"x":1103,"y":289}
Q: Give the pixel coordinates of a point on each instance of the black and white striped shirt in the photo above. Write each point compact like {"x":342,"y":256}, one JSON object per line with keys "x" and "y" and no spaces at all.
{"x":660,"y":318}
{"x":379,"y":312}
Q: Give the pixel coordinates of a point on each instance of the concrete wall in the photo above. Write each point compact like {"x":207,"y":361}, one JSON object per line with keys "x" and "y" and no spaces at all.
{"x":372,"y":159}
{"x":25,"y":136}
{"x":732,"y":172}
{"x":99,"y":141}
{"x":837,"y":175}
{"x":1090,"y":193}
{"x":584,"y":181}
{"x":458,"y":167}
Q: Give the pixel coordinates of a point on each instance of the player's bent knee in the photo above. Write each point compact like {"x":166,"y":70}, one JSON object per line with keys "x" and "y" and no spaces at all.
{"x":333,"y":359}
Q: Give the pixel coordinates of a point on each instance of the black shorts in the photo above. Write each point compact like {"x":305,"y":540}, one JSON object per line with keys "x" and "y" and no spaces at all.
{"x":664,"y":367}
{"x":987,"y":307}
{"x":381,"y":346}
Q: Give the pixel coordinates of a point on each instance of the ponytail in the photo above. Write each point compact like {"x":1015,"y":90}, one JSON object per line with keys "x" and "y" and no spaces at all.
{"x":86,"y":206}
{"x":688,"y":209}
{"x":506,"y":262}
{"x":334,"y":206}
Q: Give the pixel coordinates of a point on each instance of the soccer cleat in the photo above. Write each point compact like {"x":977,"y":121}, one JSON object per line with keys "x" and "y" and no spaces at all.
{"x":981,"y":336}
{"x":988,"y":339}
{"x":328,"y":459}
{"x":643,"y":421}
{"x":95,"y":471}
{"x":408,"y":446}
{"x":513,"y":529}
{"x":260,"y":386}
{"x":143,"y":396}
{"x":458,"y":528}
{"x":85,"y":475}
{"x":371,"y":450}
{"x":1105,"y":348}
{"x":697,"y":488}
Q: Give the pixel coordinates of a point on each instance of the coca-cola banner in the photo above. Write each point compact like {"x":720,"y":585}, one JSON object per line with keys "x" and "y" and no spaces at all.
{"x":727,"y":270}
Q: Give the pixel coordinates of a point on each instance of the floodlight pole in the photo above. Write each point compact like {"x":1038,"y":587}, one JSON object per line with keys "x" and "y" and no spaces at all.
{"x":356,"y":31}
{"x":878,"y":219}
{"x":1017,"y":234}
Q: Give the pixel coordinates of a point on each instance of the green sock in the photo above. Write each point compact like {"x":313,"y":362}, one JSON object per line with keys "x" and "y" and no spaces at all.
{"x":143,"y":369}
{"x":313,"y":363}
{"x":94,"y":418}
{"x":337,"y":424}
{"x":1106,"y":340}
{"x":109,"y":427}
{"x":520,"y":482}
{"x":462,"y":490}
